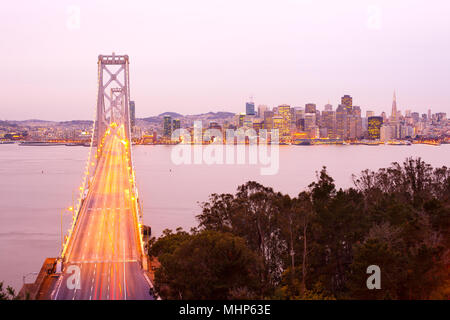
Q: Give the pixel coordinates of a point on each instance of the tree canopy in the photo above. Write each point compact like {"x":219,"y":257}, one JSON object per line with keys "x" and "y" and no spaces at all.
{"x":259,"y":243}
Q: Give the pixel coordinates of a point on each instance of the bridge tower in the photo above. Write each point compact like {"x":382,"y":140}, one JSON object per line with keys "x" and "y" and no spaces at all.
{"x":113,"y":99}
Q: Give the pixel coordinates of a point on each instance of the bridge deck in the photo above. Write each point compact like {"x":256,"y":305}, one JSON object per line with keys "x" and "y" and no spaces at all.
{"x":105,"y":242}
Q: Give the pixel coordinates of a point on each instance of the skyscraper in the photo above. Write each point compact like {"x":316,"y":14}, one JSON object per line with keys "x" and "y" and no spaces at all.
{"x":176,"y":124}
{"x":374,"y":127}
{"x":310,"y":121}
{"x":167,"y":126}
{"x":132,"y":114}
{"x":261,"y":109}
{"x":278,"y":123}
{"x":329,"y":122}
{"x":356,"y":115}
{"x":250,"y":108}
{"x":285,"y":112}
{"x":347,"y":102}
{"x":310,"y":108}
{"x":341,"y":122}
{"x":394,"y":113}
{"x":268,"y":120}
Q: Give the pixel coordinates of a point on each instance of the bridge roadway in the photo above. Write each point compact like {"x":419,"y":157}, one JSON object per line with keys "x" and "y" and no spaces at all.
{"x":105,"y":243}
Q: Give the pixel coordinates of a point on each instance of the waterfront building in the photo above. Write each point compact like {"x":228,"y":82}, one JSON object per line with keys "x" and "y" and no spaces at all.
{"x":341,"y":122}
{"x":374,"y":127}
{"x":278,"y":123}
{"x":167,"y":126}
{"x":329,"y":122}
{"x":285,"y":112}
{"x":176,"y":124}
{"x":310,"y":121}
{"x":268,"y":120}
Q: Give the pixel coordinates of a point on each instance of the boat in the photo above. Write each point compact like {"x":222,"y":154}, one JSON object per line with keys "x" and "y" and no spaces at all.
{"x":302,"y":143}
{"x":39,"y":144}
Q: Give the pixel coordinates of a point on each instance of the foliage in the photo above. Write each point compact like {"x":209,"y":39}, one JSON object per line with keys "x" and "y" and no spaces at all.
{"x":319,"y":244}
{"x":8,"y":294}
{"x":205,"y":265}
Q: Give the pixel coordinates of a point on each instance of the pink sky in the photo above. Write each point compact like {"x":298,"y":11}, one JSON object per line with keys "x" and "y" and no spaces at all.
{"x":198,"y":56}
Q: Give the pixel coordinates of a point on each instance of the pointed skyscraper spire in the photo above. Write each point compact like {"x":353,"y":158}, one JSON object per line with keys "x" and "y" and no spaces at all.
{"x":394,"y":109}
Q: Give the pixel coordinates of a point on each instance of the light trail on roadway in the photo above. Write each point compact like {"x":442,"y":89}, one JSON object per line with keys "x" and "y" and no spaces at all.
{"x":105,"y":244}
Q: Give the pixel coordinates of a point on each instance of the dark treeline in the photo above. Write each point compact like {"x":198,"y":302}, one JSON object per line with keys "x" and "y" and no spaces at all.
{"x":262,"y":244}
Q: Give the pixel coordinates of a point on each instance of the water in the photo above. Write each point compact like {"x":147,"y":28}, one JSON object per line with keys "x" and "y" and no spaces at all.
{"x":36,"y":183}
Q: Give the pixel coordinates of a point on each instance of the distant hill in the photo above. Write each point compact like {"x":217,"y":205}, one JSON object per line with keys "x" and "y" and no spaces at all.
{"x":76,"y":122}
{"x":209,"y":115}
{"x":172,"y":114}
{"x":217,"y":115}
{"x":155,"y":119}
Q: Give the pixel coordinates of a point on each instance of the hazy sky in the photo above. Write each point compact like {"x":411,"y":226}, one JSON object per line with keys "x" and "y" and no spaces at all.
{"x":193,"y":56}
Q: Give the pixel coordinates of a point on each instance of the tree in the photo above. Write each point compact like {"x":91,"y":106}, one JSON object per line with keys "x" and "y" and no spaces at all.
{"x":8,"y":294}
{"x":253,"y":214}
{"x":206,"y":265}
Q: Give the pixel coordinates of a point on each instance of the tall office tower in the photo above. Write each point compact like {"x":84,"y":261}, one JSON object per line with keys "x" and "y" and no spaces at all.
{"x":284,"y":111}
{"x":299,"y":113}
{"x":310,"y":108}
{"x":268,"y":120}
{"x":132,"y":114}
{"x":356,"y":112}
{"x":310,"y":121}
{"x":275,"y":110}
{"x":370,"y":114}
{"x":374,"y":127}
{"x":341,"y":122}
{"x":329,"y":122}
{"x":318,"y":118}
{"x":386,"y":132}
{"x":250,"y":108}
{"x":300,"y":124}
{"x":429,"y":115}
{"x":176,"y":124}
{"x":292,"y":117}
{"x":347,"y":102}
{"x":384,"y":116}
{"x":261,"y":109}
{"x":407,"y":113}
{"x":394,"y":114}
{"x":351,"y":127}
{"x":167,"y":129}
{"x":328,"y":107}
{"x":415,"y":116}
{"x":441,"y":116}
{"x":278,"y":123}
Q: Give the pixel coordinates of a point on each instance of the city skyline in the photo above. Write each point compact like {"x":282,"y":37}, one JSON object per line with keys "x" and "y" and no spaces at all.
{"x":328,"y":105}
{"x":201,"y":58}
